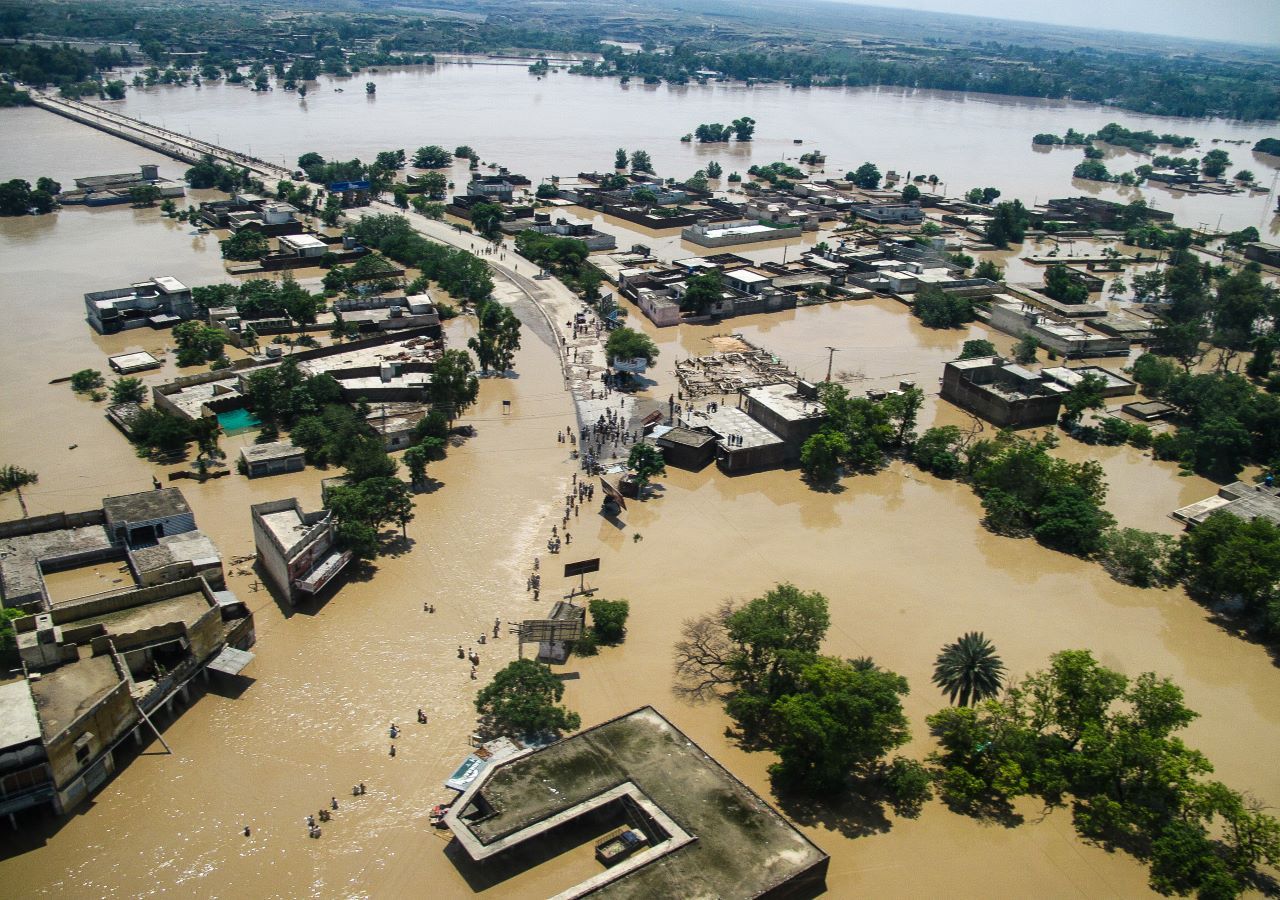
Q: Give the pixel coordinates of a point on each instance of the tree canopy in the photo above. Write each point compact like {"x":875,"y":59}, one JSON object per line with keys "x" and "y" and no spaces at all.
{"x":523,"y":699}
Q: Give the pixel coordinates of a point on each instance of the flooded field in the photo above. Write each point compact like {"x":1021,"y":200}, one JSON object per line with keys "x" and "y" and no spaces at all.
{"x":563,"y":124}
{"x":901,"y":556}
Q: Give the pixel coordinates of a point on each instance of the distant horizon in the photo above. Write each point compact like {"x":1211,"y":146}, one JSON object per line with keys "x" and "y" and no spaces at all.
{"x":1246,"y":22}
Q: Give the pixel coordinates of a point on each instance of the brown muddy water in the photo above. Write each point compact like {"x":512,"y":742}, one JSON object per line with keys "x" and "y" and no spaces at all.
{"x":901,"y":556}
{"x":564,"y":124}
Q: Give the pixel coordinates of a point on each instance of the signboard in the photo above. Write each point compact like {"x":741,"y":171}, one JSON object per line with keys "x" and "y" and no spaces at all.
{"x":613,"y":493}
{"x":340,"y":187}
{"x":581,"y":568}
{"x":635,"y":366}
{"x":536,"y":631}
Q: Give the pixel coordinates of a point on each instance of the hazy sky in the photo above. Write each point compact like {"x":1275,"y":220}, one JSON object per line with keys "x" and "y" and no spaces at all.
{"x":1243,"y":21}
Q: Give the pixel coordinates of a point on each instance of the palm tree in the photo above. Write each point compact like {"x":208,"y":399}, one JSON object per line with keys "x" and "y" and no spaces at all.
{"x":969,"y":669}
{"x":15,"y":478}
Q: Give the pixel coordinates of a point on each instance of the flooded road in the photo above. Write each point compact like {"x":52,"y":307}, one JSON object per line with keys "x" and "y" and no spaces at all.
{"x":901,"y":556}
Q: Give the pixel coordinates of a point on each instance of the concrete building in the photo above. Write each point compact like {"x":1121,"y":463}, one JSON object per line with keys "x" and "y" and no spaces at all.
{"x":1117,"y":385}
{"x":493,"y":188}
{"x":684,"y":448}
{"x":791,"y":411}
{"x":305,"y":246}
{"x":296,"y":550}
{"x":129,"y":363}
{"x":111,"y":190}
{"x":140,"y":520}
{"x":742,"y":443}
{"x":890,"y":213}
{"x":390,"y":313}
{"x":1004,"y":394}
{"x":580,"y":231}
{"x":273,"y":458}
{"x":1246,"y":501}
{"x":705,"y":833}
{"x":159,"y":302}
{"x":706,"y":233}
{"x":99,"y":667}
{"x":1070,"y":341}
{"x":1259,"y":251}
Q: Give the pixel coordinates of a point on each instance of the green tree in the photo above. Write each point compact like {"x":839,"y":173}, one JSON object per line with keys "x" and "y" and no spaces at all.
{"x":497,"y":338}
{"x":431,"y":156}
{"x":246,"y":245}
{"x":935,"y":308}
{"x":627,"y":343}
{"x":1008,"y":224}
{"x":609,"y":619}
{"x":910,"y":193}
{"x":128,"y":390}
{"x":1137,"y":557}
{"x":1154,"y":373}
{"x":144,"y":195}
{"x":743,"y":128}
{"x":867,"y":176}
{"x":1062,"y":286}
{"x":523,"y":699}
{"x":702,"y":291}
{"x":620,"y":159}
{"x":1024,"y":351}
{"x":820,"y":456}
{"x":977,"y":349}
{"x":197,"y":343}
{"x":86,"y":380}
{"x":714,"y":169}
{"x":453,"y":385}
{"x":15,"y":478}
{"x":487,"y":219}
{"x":1226,"y":558}
{"x":415,"y":460}
{"x":968,"y":669}
{"x":938,"y":451}
{"x":1085,"y":394}
{"x":841,"y":718}
{"x":646,"y":461}
{"x":640,"y":162}
{"x":1215,"y":162}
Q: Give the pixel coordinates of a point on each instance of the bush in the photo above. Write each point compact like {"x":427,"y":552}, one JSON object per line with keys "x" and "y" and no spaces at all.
{"x":1137,"y":557}
{"x":909,"y":786}
{"x":609,"y":620}
{"x":86,"y":380}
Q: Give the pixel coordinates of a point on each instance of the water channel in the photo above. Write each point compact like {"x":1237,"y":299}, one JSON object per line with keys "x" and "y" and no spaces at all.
{"x":901,"y":556}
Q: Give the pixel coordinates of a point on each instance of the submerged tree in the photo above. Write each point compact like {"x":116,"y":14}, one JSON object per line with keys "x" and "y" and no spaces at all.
{"x":969,"y":669}
{"x":523,"y":698}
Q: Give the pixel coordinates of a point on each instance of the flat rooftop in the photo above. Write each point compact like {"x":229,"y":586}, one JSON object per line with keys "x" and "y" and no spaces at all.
{"x":268,"y":451}
{"x":742,"y":846}
{"x":145,"y":506}
{"x":286,"y":526}
{"x":19,"y":556}
{"x":18,"y":721}
{"x":67,"y":692}
{"x":729,"y":420}
{"x":1072,"y":377}
{"x":186,"y":608}
{"x":302,"y":241}
{"x":785,"y":401}
{"x":133,"y":362}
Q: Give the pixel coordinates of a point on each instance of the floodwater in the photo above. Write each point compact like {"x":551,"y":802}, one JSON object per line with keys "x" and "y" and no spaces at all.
{"x":564,"y":124}
{"x":901,"y":556}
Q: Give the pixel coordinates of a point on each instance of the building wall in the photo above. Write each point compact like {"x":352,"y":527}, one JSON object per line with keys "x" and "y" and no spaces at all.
{"x":996,"y":409}
{"x":275,"y":568}
{"x":113,"y":716}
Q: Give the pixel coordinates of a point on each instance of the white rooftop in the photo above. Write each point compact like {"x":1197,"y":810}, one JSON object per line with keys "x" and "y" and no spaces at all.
{"x":301,"y":241}
{"x":746,"y":276}
{"x":168,"y":283}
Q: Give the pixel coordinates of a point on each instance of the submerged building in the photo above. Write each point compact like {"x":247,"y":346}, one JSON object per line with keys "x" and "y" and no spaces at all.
{"x":296,"y":550}
{"x":160,"y":301}
{"x":99,"y":660}
{"x":695,"y":829}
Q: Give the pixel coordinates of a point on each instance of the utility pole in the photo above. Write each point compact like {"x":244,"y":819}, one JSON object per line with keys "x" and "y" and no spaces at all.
{"x":831,"y":355}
